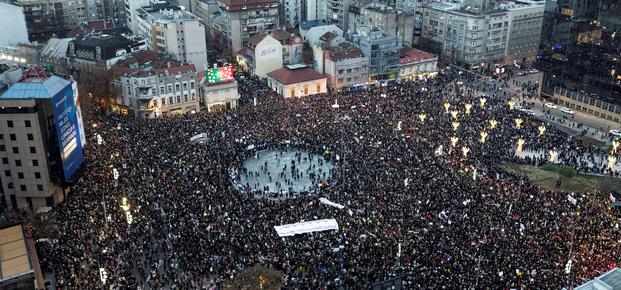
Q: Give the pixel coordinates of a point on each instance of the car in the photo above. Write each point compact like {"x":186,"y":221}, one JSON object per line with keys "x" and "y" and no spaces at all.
{"x":567,"y":111}
{"x":615,"y":133}
{"x":551,"y":105}
{"x":521,"y":73}
{"x":533,"y":71}
{"x":526,"y":111}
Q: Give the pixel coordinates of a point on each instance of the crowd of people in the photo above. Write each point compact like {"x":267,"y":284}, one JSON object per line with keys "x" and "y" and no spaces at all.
{"x":425,"y":201}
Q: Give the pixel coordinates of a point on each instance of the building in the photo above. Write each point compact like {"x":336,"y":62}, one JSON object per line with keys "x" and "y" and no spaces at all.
{"x":26,"y":53}
{"x":562,"y":18}
{"x":218,"y":89}
{"x":345,"y":66}
{"x":313,"y":31}
{"x":19,"y":263}
{"x":389,"y":19}
{"x":292,"y":12}
{"x":335,"y":12}
{"x":13,"y":23}
{"x":297,"y":81}
{"x":53,"y":56}
{"x":584,"y":102}
{"x":131,"y":12}
{"x":153,"y":87}
{"x":239,"y":20}
{"x":417,"y":64}
{"x":41,"y":142}
{"x":101,"y":49}
{"x":382,"y":49}
{"x":291,"y":46}
{"x":174,"y":33}
{"x":481,"y":34}
{"x":525,"y":24}
{"x":263,"y":54}
{"x":610,"y":280}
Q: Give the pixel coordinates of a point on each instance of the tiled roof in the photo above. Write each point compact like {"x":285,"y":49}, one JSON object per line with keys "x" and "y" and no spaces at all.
{"x":328,"y":36}
{"x":409,"y":55}
{"x":288,"y":76}
{"x":343,"y":51}
{"x":281,"y":35}
{"x":255,"y":39}
{"x":88,"y":28}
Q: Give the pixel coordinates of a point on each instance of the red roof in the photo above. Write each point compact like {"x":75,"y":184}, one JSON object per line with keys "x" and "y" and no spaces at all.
{"x":87,"y":28}
{"x":343,"y":50}
{"x":255,"y":39}
{"x":409,"y":55}
{"x":288,"y":76}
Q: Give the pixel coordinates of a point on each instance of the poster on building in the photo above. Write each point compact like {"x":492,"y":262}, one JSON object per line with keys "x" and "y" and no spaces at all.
{"x":67,"y":131}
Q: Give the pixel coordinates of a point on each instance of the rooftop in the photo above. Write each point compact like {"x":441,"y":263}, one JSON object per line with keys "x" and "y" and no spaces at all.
{"x":87,"y":28}
{"x":56,"y":47}
{"x":36,"y":84}
{"x":102,"y":39}
{"x":409,"y":55}
{"x":295,"y":74}
{"x":344,"y":50}
{"x":306,"y":25}
{"x":610,"y":280}
{"x":14,"y":256}
{"x":169,"y":14}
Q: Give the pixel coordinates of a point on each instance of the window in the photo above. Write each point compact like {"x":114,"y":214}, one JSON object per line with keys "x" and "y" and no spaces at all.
{"x":1,"y":136}
{"x":162,"y":90}
{"x":2,"y":148}
{"x":30,"y":137}
{"x":170,"y":100}
{"x":22,"y":187}
{"x":12,"y":137}
{"x":37,"y":175}
{"x":185,"y":86}
{"x":27,"y":123}
{"x":39,"y":187}
{"x":318,"y":87}
{"x":5,"y":160}
{"x":15,"y":150}
{"x":20,"y":175}
{"x":35,"y":162}
{"x":169,"y":87}
{"x":163,"y":101}
{"x":18,"y":163}
{"x":177,"y":87}
{"x":9,"y":124}
{"x":185,"y":98}
{"x":33,"y":150}
{"x":7,"y":173}
{"x":192,"y":85}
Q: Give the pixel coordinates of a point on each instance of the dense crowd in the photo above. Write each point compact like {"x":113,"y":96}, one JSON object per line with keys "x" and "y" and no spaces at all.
{"x":416,"y":206}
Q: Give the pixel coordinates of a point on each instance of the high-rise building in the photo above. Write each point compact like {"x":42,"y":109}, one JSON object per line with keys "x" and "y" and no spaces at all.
{"x":391,"y":20}
{"x":239,"y":20}
{"x":13,"y":23}
{"x":41,"y":139}
{"x":174,"y":32}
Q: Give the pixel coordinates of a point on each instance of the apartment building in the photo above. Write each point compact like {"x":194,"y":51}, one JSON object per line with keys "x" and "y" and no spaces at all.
{"x":382,"y":49}
{"x":345,"y":65}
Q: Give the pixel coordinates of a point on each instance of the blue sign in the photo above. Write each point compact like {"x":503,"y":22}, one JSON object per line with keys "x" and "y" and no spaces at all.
{"x":67,"y":131}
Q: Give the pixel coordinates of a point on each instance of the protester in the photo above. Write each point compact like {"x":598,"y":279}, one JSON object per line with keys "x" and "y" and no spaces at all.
{"x":438,"y":221}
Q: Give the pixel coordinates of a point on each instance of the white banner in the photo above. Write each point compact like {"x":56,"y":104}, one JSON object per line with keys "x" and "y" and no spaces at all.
{"x":328,"y":202}
{"x":306,"y":227}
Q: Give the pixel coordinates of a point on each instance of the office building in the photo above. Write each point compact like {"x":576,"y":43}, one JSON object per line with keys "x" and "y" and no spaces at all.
{"x":382,"y":49}
{"x":41,"y":139}
{"x":389,"y":19}
{"x":175,"y":33}
{"x":153,"y":87}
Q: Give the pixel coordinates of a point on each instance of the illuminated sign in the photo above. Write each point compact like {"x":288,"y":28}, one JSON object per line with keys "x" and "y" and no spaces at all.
{"x":67,"y":131}
{"x":219,"y":74}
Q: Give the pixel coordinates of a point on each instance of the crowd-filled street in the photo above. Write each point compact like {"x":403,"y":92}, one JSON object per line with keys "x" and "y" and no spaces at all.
{"x":415,"y":165}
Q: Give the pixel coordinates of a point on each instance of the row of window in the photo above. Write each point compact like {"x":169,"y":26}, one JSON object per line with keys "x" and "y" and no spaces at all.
{"x":23,"y":187}
{"x":15,"y":150}
{"x":18,"y":162}
{"x":13,"y":137}
{"x":20,"y":175}
{"x":10,"y":124}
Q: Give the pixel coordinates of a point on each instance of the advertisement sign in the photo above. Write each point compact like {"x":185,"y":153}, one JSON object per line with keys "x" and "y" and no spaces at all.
{"x":67,"y":131}
{"x":219,"y":74}
{"x":271,"y":51}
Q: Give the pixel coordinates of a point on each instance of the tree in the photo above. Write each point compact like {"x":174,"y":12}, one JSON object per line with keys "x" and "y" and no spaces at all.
{"x":99,"y":84}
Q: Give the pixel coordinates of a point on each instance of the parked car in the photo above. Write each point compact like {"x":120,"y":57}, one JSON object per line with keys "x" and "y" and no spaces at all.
{"x":551,"y":105}
{"x":521,"y":73}
{"x":615,"y":133}
{"x":533,"y":71}
{"x":567,"y":111}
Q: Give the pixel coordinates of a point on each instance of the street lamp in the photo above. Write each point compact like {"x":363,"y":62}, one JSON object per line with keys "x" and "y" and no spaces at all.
{"x":520,"y":144}
{"x":482,"y":102}
{"x":493,"y":123}
{"x":464,"y":151}
{"x":454,"y":140}
{"x":422,"y":117}
{"x":518,"y":123}
{"x":552,"y":157}
{"x":455,"y":125}
{"x":447,"y":106}
{"x":454,"y":113}
{"x":483,"y":136}
{"x":511,"y":104}
{"x":542,"y":129}
{"x":612,"y":160}
{"x":468,"y":108}
{"x":615,"y":145}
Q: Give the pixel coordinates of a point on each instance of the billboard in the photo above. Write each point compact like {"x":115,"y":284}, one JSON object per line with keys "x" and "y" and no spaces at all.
{"x":219,"y":74}
{"x":67,"y":131}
